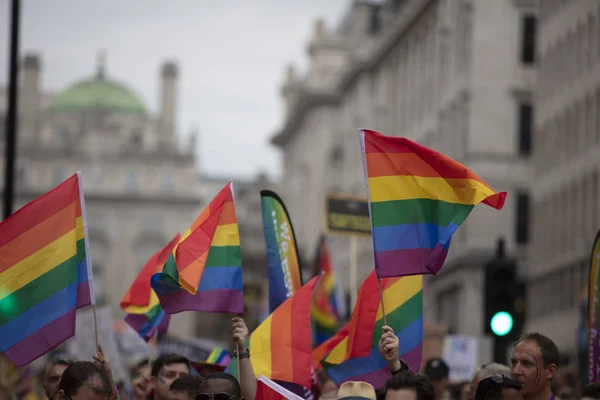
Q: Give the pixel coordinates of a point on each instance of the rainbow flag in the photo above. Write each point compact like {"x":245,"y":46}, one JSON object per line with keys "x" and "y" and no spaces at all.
{"x":593,"y":321}
{"x":45,"y":273}
{"x":219,"y":356}
{"x":324,"y":308}
{"x":145,"y":314}
{"x":204,"y":271}
{"x":280,"y":348}
{"x":356,"y":357}
{"x":418,"y":199}
{"x":282,"y":253}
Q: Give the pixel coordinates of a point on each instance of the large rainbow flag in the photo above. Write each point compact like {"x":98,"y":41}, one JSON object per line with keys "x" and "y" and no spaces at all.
{"x":280,"y":348}
{"x":144,"y":312}
{"x":45,"y":272}
{"x":324,"y":311}
{"x":418,"y":199}
{"x":356,"y":356}
{"x":204,"y":271}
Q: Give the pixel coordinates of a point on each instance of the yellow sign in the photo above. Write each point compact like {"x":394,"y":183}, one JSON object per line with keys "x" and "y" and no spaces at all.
{"x":347,"y":216}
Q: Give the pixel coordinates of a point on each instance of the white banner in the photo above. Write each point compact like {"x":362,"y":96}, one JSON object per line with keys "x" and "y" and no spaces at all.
{"x":461,"y":355}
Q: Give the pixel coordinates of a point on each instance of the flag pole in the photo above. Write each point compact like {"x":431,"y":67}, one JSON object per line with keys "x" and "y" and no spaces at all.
{"x":353,"y":270}
{"x":382,"y":305}
{"x":95,"y":325}
{"x":152,"y":347}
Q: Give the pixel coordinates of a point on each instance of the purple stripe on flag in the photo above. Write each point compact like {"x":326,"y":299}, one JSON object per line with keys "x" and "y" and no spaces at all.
{"x":213,"y":301}
{"x":379,"y":377}
{"x":409,"y":262}
{"x":43,"y":340}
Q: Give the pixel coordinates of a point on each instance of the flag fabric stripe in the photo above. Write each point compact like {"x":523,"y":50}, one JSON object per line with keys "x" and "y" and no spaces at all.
{"x":411,"y":164}
{"x":260,"y":346}
{"x":146,"y":325}
{"x":41,"y":314}
{"x":226,"y":235}
{"x":212,"y":301}
{"x":38,"y":237}
{"x":39,"y":210}
{"x":415,"y":211}
{"x":37,"y":286}
{"x":221,"y":278}
{"x":38,"y":343}
{"x":208,"y":252}
{"x":410,"y":236}
{"x":398,"y":295}
{"x":417,"y":198}
{"x":43,"y":287}
{"x":411,"y":157}
{"x":412,"y":260}
{"x":40,"y":263}
{"x":219,"y":357}
{"x":135,"y":309}
{"x":402,"y":187}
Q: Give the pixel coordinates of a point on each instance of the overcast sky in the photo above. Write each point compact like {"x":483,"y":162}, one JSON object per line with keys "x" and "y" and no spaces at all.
{"x":232,"y":56}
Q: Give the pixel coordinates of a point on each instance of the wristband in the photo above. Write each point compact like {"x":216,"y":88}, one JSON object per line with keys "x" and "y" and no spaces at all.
{"x":403,"y":367}
{"x":244,"y":354}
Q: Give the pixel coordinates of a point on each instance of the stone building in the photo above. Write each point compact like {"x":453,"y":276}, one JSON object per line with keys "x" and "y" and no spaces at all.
{"x":456,"y":76}
{"x":566,"y":167}
{"x":141,"y":185}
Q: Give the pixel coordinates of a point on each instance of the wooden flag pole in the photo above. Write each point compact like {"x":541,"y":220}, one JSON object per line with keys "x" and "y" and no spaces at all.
{"x":95,"y":325}
{"x":151,"y":348}
{"x":382,"y":305}
{"x":353,"y":271}
{"x":237,"y":355}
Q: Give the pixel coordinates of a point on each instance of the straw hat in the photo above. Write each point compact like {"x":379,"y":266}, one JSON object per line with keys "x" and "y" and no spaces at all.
{"x":356,"y":390}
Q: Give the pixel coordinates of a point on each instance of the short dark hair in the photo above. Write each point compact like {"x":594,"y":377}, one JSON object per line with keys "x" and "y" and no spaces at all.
{"x":492,"y":388}
{"x":168,"y":359}
{"x":79,"y":373}
{"x":237,"y":390}
{"x":190,"y":384}
{"x":409,"y":380}
{"x":591,"y":390}
{"x":549,"y":350}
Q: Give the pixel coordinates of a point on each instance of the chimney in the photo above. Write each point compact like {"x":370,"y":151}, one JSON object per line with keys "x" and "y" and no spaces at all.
{"x":169,"y":75}
{"x":30,"y":100}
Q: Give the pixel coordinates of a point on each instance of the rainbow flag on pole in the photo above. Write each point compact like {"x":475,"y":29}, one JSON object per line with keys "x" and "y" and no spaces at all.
{"x":145,"y":314}
{"x":45,"y":272}
{"x":594,"y":312}
{"x":280,"y":348}
{"x":418,"y":199}
{"x":356,"y":356}
{"x":204,"y":271}
{"x":324,"y":308}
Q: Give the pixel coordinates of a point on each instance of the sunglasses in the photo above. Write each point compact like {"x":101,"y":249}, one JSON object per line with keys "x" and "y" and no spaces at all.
{"x":215,"y":396}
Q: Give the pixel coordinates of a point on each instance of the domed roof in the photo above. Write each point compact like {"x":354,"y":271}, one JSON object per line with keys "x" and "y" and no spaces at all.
{"x":98,"y":92}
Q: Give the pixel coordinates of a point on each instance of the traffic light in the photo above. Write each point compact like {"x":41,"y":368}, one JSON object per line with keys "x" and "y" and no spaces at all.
{"x":504,"y":305}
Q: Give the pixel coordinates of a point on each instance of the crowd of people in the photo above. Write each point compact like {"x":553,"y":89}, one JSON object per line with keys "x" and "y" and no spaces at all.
{"x":533,"y":369}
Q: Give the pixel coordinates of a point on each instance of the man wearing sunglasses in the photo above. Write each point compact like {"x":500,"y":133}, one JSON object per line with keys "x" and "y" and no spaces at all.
{"x":220,"y":386}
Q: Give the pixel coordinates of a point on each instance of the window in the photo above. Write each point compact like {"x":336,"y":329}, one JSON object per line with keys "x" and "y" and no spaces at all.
{"x":522,"y":223}
{"x":525,"y":128}
{"x":337,"y":155}
{"x":528,"y":38}
{"x":375,"y":22}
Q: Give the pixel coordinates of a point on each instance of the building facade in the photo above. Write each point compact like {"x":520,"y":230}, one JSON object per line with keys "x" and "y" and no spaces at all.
{"x":566,"y":167}
{"x":456,"y":76}
{"x":141,"y":186}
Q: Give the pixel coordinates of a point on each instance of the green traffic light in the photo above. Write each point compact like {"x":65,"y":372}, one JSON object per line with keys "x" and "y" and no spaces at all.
{"x":501,"y":323}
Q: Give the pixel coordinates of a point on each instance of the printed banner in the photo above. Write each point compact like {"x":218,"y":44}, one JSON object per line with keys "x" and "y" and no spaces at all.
{"x":594,"y":314}
{"x":282,"y":251}
{"x":347,"y":216}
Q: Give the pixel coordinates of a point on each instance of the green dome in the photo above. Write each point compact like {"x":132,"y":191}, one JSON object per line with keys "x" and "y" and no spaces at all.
{"x":98,"y":92}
